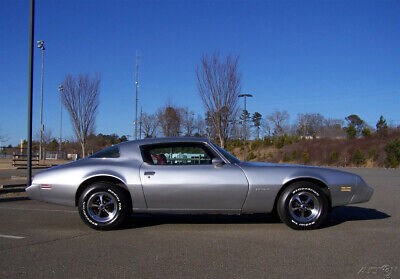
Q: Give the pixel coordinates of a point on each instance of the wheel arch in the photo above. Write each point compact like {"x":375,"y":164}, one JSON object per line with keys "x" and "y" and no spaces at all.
{"x":101,"y":178}
{"x":321,"y":184}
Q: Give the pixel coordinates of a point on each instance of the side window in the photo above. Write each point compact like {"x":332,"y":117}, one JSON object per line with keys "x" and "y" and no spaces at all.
{"x":111,"y":152}
{"x":178,"y":154}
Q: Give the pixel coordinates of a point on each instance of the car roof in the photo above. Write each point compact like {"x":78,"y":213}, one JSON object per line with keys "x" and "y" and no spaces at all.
{"x":166,"y":140}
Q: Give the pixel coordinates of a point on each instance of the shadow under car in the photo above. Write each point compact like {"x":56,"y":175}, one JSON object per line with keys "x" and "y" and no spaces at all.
{"x":337,"y":216}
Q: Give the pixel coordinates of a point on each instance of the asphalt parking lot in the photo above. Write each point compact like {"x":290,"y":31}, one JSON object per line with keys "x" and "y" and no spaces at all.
{"x":39,"y":240}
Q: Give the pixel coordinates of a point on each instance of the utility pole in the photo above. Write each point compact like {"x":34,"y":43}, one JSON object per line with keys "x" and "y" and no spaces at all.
{"x":40,"y":44}
{"x":30,"y":84}
{"x":60,"y":89}
{"x":244,"y":124}
{"x":137,"y":92}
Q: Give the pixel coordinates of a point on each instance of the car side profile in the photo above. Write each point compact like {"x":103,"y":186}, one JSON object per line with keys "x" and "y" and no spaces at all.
{"x":193,"y":175}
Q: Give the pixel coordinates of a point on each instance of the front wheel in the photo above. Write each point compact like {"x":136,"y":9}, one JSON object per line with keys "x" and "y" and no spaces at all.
{"x":303,"y":205}
{"x":103,"y":206}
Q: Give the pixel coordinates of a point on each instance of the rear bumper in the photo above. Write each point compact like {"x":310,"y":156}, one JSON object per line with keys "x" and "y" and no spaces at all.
{"x":33,"y":192}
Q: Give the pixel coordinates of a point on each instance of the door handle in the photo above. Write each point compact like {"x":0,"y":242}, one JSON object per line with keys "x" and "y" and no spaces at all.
{"x":149,"y":173}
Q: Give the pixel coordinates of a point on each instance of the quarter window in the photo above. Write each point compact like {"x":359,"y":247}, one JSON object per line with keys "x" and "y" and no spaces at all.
{"x":111,"y":152}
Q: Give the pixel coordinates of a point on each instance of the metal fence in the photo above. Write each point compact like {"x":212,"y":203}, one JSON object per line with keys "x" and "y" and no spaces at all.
{"x":8,"y":152}
{"x":54,"y":155}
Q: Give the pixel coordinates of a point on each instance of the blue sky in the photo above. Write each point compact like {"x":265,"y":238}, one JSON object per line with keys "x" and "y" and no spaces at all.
{"x":332,"y":57}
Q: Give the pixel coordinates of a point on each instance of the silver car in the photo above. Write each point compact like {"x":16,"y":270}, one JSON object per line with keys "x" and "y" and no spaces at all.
{"x":193,"y":175}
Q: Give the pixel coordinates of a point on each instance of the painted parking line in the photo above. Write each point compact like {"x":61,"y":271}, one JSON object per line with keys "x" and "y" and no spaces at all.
{"x":11,"y":236}
{"x":37,"y":209}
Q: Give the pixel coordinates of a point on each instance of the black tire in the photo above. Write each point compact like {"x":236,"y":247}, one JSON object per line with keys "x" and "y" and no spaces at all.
{"x":109,"y":214}
{"x":303,"y":206}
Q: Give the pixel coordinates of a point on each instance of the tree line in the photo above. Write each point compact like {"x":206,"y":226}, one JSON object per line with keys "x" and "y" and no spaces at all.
{"x":218,"y":86}
{"x":173,"y":121}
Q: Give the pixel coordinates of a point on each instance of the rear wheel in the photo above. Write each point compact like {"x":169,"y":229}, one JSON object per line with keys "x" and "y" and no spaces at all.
{"x":303,"y":205}
{"x":104,"y":206}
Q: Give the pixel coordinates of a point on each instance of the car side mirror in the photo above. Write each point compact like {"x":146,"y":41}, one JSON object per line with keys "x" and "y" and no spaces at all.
{"x":217,"y":162}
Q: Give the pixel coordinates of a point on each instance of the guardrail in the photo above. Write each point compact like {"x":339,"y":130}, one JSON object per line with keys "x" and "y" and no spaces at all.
{"x":12,"y":188}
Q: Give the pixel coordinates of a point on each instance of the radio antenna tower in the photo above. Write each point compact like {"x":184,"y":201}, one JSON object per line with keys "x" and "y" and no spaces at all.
{"x":137,"y":92}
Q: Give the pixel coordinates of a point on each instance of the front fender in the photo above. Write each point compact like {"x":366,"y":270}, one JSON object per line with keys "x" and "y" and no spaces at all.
{"x":266,"y":181}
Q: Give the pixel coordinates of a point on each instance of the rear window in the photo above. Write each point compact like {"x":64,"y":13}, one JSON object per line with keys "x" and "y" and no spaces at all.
{"x":111,"y":152}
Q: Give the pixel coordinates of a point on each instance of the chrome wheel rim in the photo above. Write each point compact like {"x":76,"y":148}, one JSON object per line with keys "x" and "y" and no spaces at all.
{"x":102,"y":207}
{"x":304,"y":207}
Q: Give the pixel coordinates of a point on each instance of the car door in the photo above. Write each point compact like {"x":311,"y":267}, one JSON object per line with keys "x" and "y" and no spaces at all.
{"x":180,"y":176}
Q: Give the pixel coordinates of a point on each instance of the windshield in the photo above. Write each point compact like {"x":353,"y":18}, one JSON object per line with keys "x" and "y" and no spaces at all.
{"x":232,"y":159}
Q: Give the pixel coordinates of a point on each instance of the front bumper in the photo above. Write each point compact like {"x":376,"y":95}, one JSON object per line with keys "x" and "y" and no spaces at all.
{"x":363,"y":192}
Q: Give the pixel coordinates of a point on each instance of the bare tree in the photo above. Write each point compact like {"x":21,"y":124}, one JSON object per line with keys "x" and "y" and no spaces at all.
{"x":50,"y":143}
{"x":170,"y":120}
{"x":218,"y":83}
{"x":81,"y":99}
{"x":236,"y":129}
{"x":3,"y":138}
{"x":47,"y":136}
{"x":200,"y":126}
{"x":267,"y":128}
{"x":209,"y":127}
{"x":150,"y":124}
{"x":188,"y":122}
{"x":309,"y":124}
{"x":333,"y":128}
{"x":279,"y":121}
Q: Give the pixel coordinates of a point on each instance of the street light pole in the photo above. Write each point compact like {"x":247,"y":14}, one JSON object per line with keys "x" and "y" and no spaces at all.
{"x":244,"y":123}
{"x":140,"y":123}
{"x":61,"y":89}
{"x":40,"y":44}
{"x":136,"y":93}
